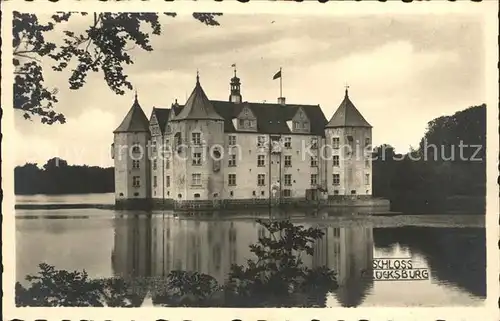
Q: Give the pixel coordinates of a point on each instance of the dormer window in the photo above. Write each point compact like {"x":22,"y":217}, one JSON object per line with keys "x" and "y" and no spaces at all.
{"x":300,"y":122}
{"x":246,"y":120}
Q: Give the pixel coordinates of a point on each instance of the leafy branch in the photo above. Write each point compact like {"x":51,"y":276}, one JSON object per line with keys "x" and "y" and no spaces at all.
{"x":102,"y":47}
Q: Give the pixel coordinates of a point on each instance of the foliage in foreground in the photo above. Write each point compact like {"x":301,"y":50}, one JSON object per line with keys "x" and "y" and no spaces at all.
{"x":277,"y":277}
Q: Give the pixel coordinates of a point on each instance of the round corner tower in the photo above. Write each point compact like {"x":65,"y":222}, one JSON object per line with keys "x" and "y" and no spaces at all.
{"x":197,"y":153}
{"x":130,"y":154}
{"x":349,"y":137}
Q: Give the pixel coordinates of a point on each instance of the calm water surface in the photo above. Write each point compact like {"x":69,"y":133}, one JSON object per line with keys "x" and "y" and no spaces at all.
{"x":107,"y":243}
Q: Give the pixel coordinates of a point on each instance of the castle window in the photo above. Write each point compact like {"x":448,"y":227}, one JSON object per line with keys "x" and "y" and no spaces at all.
{"x":314,"y":142}
{"x":261,"y":160}
{"x":367,"y":179}
{"x":314,"y":179}
{"x":232,"y":140}
{"x":155,"y":164}
{"x":179,"y":195}
{"x":336,"y":192}
{"x":196,"y":179}
{"x":314,"y":161}
{"x":155,"y":181}
{"x":168,"y":181}
{"x":135,"y":164}
{"x":335,"y":142}
{"x":367,"y":142}
{"x":336,"y":179}
{"x":136,"y":181}
{"x":288,"y":179}
{"x":336,"y":160}
{"x":136,"y":148}
{"x":261,"y":179}
{"x":232,"y":180}
{"x":353,"y":192}
{"x":197,"y":195}
{"x":287,"y":193}
{"x":178,"y":139}
{"x":262,"y":193}
{"x":288,"y":161}
{"x":197,"y":159}
{"x":136,"y":194}
{"x":288,"y":142}
{"x":167,"y":163}
{"x":261,"y":141}
{"x":253,"y":193}
{"x":231,"y":193}
{"x":367,"y":163}
{"x":306,"y":125}
{"x":350,"y":140}
{"x":196,"y":138}
{"x":121,"y":194}
{"x":153,"y":147}
{"x":232,"y":161}
{"x":296,"y":125}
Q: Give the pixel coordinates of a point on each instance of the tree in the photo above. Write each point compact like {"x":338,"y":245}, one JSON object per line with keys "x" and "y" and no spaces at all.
{"x":103,"y":47}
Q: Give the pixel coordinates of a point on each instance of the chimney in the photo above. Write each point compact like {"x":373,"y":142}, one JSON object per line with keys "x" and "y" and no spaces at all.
{"x":281,"y":101}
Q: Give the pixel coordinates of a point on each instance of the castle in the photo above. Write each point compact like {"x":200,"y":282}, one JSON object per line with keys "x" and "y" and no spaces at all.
{"x":211,"y":153}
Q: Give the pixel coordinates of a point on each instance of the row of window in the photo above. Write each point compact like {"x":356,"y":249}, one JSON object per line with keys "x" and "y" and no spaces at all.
{"x":262,"y":140}
{"x":350,"y":139}
{"x":261,"y":180}
{"x":286,"y":193}
{"x":196,"y":180}
{"x":336,"y":179}
{"x":261,"y":161}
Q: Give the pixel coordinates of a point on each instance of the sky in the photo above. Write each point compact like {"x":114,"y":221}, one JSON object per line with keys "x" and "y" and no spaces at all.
{"x":402,"y":71}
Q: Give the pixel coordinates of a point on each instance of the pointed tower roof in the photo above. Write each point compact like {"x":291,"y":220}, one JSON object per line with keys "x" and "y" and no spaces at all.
{"x":347,"y":115}
{"x":198,"y":106}
{"x":135,"y":120}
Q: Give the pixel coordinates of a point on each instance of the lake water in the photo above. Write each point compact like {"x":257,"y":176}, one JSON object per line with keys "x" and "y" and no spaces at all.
{"x":109,"y":243}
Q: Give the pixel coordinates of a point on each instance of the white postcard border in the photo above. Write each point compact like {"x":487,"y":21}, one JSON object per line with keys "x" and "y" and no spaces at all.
{"x":488,"y":9}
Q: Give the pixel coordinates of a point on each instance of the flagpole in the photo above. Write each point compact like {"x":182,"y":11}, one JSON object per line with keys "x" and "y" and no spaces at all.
{"x":281,"y":83}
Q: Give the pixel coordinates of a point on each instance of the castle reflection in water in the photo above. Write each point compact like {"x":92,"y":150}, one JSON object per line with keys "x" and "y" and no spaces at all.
{"x":154,"y":246}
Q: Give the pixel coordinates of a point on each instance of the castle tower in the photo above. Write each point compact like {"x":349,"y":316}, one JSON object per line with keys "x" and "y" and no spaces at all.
{"x":349,"y":137}
{"x":131,"y":158}
{"x":197,"y":140}
{"x":235,"y":96}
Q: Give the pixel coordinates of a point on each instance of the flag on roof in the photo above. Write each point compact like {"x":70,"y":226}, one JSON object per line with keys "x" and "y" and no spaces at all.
{"x":277,"y":75}
{"x":233,"y":65}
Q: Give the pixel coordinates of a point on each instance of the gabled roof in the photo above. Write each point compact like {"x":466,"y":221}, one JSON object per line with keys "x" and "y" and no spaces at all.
{"x":347,"y":115}
{"x":134,"y":121}
{"x":271,"y":118}
{"x":198,"y":106}
{"x":162,"y":116}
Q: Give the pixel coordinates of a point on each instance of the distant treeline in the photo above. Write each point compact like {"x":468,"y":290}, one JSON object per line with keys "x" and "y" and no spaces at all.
{"x":447,"y":170}
{"x":57,"y":177}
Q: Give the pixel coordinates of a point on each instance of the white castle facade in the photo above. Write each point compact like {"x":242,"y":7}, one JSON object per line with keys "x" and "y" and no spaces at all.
{"x":219,"y":153}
